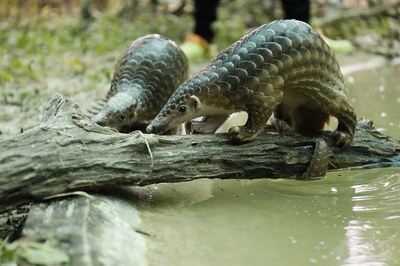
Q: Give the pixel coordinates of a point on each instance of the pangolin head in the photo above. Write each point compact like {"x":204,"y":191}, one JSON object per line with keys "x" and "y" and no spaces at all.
{"x":179,"y":109}
{"x":120,"y":110}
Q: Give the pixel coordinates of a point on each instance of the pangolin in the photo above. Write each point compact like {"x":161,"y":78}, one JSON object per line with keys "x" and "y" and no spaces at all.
{"x":146,"y":74}
{"x":284,"y":68}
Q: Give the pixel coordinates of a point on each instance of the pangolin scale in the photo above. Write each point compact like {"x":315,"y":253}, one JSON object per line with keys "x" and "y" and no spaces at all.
{"x":284,"y":68}
{"x":146,"y":74}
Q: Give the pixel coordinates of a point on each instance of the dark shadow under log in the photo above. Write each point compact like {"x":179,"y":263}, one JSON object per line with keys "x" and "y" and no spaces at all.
{"x":67,"y":152}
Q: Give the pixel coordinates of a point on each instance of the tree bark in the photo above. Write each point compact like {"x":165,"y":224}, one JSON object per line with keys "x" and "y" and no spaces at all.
{"x":12,"y":222}
{"x":91,"y":229}
{"x":67,"y":152}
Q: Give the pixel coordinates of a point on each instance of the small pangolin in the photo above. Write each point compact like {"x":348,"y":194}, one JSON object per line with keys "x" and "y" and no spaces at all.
{"x":284,"y":68}
{"x":146,"y":74}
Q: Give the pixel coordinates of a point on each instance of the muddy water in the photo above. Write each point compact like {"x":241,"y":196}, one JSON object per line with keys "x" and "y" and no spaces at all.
{"x":375,"y":94}
{"x":347,"y":218}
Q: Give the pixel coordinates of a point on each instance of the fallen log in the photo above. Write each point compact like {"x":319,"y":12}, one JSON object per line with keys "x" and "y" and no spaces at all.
{"x":67,"y":152}
{"x":90,"y":229}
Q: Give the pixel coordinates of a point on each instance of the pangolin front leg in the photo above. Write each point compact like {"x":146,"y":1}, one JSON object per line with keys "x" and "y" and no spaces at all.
{"x":262,"y":107}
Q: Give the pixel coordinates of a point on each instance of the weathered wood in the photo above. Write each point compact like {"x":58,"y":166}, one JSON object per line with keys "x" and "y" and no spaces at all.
{"x":12,"y":221}
{"x":90,"y":229}
{"x":67,"y":152}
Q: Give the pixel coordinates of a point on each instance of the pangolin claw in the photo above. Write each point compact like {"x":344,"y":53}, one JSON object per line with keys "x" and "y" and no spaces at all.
{"x":342,"y":139}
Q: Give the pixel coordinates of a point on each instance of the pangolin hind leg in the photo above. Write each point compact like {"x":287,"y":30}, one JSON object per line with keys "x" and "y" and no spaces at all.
{"x":344,"y":133}
{"x":305,"y":119}
{"x":309,"y":120}
{"x":281,"y":126}
{"x":282,"y":121}
{"x":313,"y":114}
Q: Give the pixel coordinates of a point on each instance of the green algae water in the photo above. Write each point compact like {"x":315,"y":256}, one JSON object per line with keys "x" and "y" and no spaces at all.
{"x":350,"y":217}
{"x":375,"y":94}
{"x":347,"y":218}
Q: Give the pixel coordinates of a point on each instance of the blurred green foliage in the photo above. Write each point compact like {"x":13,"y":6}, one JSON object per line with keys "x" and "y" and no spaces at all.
{"x":38,"y":50}
{"x":42,"y":41}
{"x":31,"y":253}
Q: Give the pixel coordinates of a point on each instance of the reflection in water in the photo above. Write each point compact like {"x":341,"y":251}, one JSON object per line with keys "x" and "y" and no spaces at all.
{"x":348,"y":218}
{"x":361,"y":252}
{"x":372,"y":235}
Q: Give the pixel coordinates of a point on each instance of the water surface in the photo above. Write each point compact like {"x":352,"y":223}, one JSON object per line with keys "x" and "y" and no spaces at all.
{"x":347,"y":218}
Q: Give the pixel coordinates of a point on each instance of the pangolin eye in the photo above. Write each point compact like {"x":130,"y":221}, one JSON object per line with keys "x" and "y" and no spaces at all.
{"x":122,"y":117}
{"x":182,"y":108}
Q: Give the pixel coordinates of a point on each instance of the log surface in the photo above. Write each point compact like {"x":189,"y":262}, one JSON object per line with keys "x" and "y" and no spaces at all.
{"x":91,"y":229}
{"x":67,"y":152}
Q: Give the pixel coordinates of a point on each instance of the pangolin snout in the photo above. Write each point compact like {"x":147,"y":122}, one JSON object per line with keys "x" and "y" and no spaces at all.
{"x":149,"y":129}
{"x":156,"y":127}
{"x":99,"y":120}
